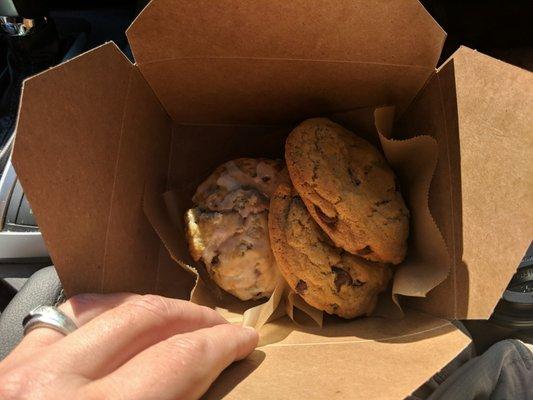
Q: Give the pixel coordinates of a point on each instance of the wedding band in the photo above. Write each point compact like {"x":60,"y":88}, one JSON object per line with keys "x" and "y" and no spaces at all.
{"x":48,"y":317}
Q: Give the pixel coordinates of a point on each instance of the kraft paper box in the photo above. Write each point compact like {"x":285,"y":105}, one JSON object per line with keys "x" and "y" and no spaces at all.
{"x":216,"y":80}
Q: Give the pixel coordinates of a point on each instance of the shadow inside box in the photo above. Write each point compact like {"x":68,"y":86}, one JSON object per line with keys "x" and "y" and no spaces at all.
{"x":414,"y":326}
{"x":290,"y":353}
{"x":235,"y":374}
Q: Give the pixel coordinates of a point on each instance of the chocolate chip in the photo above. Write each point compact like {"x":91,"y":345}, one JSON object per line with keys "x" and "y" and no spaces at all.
{"x":257,"y":273}
{"x":329,"y":221}
{"x":265,"y":178}
{"x":381,"y":202}
{"x":357,"y":282}
{"x":335,"y":306}
{"x":215,"y":261}
{"x":341,"y":278}
{"x":301,"y":287}
{"x":396,"y":187}
{"x":246,"y":245}
{"x":364,"y":251}
{"x":297,"y":200}
{"x":354,"y":177}
{"x":315,"y":171}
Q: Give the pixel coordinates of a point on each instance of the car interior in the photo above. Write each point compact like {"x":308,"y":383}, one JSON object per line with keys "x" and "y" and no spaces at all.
{"x":36,"y":35}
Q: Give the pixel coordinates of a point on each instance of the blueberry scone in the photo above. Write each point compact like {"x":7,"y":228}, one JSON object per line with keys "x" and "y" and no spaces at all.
{"x":349,"y":190}
{"x":325,"y":276}
{"x":227,"y":229}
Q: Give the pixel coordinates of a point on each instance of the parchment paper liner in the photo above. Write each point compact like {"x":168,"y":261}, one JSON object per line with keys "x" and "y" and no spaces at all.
{"x":427,"y":263}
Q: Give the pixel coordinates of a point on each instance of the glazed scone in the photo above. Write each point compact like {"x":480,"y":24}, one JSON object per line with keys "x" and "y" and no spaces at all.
{"x":349,"y":189}
{"x":244,"y":185}
{"x":228,"y":229}
{"x":325,"y":276}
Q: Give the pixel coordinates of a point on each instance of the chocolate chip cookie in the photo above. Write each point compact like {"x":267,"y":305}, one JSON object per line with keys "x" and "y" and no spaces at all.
{"x":228,"y":228}
{"x":349,"y":190}
{"x":325,"y":276}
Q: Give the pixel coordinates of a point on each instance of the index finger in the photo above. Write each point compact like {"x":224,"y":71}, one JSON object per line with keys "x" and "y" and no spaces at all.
{"x":181,"y":367}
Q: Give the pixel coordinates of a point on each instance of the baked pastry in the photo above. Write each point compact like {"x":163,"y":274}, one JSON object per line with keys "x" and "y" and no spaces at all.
{"x":228,"y":228}
{"x":325,"y":276}
{"x":349,"y":190}
{"x":244,"y":185}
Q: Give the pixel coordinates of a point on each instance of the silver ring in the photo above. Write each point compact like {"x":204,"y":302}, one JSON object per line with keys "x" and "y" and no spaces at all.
{"x":48,"y":317}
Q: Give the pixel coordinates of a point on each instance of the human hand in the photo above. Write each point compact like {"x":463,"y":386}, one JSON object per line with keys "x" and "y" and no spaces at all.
{"x":126,"y":346}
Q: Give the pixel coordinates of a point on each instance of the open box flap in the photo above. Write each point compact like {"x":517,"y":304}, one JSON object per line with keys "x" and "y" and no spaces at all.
{"x":479,"y":110}
{"x":83,"y":153}
{"x":344,"y":30}
{"x":360,"y":359}
{"x":206,"y":52}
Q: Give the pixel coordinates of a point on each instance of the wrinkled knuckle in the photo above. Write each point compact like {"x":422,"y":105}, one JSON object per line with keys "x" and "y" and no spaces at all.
{"x":148,"y":304}
{"x":198,"y":346}
{"x":189,"y":348}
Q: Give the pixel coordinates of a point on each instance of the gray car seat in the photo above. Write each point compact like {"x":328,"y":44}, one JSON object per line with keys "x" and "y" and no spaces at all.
{"x":42,"y":288}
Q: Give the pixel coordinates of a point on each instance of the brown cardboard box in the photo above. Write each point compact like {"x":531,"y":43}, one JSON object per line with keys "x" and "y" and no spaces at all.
{"x":213,"y":80}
